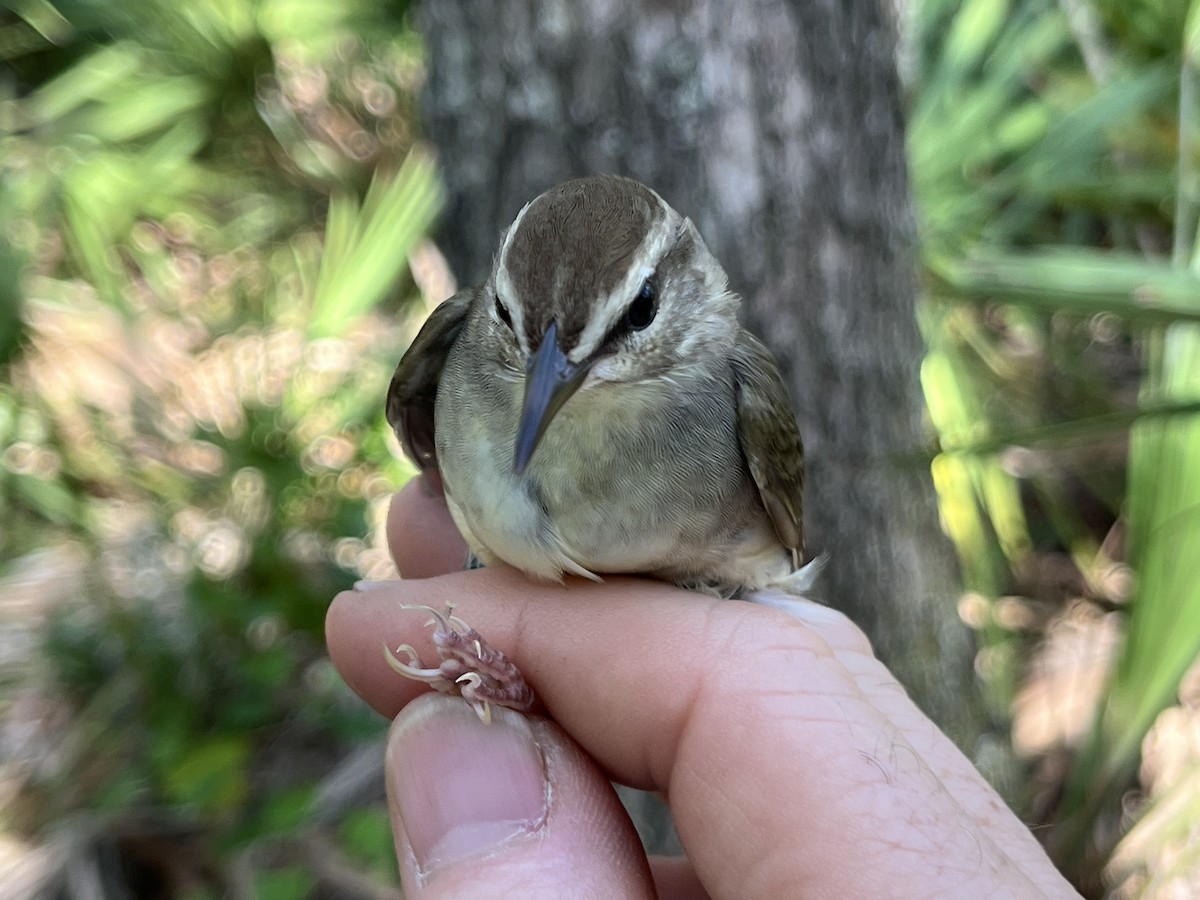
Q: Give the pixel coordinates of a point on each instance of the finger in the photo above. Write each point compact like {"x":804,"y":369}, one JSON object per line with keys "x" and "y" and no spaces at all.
{"x":589,"y":649}
{"x":510,"y":809}
{"x":421,"y":534}
{"x":852,"y":650}
{"x":741,"y":715}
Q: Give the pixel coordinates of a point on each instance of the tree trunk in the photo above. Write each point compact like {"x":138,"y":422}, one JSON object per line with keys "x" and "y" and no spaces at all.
{"x":776,"y":127}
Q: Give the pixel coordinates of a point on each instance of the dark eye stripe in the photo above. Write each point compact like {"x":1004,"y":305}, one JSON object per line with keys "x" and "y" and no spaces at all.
{"x":502,"y":312}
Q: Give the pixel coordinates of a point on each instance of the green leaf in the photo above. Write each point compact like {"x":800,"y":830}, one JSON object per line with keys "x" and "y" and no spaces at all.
{"x":292,"y":883}
{"x":49,"y":499}
{"x":212,"y":776}
{"x":975,"y":28}
{"x":285,"y":812}
{"x":366,"y":836}
{"x":92,"y":77}
{"x":1082,"y":282}
{"x":366,"y":249}
{"x":1161,"y":641}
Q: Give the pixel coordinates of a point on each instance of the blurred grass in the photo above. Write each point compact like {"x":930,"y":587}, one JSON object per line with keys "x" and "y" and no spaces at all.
{"x":358,"y":262}
{"x":1164,"y":514}
{"x":1054,"y":160}
{"x":207,"y":209}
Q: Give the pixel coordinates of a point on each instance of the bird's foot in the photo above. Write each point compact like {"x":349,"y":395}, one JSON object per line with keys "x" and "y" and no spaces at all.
{"x":470,"y":667}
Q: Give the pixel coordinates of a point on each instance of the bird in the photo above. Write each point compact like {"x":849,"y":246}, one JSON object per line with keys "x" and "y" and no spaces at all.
{"x":595,"y":407}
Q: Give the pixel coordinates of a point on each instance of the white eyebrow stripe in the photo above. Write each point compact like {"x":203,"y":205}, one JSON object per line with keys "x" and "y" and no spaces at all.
{"x":609,"y":309}
{"x":504,"y":286}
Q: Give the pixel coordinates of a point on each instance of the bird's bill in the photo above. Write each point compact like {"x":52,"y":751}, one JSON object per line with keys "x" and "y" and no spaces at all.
{"x":550,"y":381}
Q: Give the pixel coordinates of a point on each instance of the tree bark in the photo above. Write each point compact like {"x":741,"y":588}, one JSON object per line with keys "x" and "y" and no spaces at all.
{"x":776,"y":126}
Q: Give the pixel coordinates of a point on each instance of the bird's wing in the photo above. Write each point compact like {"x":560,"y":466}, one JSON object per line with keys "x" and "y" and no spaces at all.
{"x":770,"y":438}
{"x":412,"y":395}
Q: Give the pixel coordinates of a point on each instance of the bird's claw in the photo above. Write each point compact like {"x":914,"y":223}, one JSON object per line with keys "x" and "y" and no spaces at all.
{"x":470,"y":667}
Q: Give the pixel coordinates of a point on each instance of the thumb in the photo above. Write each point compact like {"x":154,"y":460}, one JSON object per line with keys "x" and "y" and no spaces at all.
{"x":510,"y":809}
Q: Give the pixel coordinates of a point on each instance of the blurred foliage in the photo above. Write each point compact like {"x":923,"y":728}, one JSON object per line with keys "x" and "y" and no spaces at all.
{"x":204,"y":207}
{"x":1054,"y":158}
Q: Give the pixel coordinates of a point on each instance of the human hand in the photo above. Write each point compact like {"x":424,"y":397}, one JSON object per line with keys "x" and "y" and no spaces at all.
{"x":793,"y":762}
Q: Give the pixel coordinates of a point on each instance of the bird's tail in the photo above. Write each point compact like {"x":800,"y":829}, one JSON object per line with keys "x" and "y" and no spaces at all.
{"x":798,"y":588}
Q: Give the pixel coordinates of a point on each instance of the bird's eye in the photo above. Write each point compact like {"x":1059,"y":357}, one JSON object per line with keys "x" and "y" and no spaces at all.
{"x":502,"y":312}
{"x":644,"y":306}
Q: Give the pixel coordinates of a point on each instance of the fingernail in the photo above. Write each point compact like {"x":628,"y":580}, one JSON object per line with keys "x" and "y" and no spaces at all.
{"x":365,"y":586}
{"x":462,"y":788}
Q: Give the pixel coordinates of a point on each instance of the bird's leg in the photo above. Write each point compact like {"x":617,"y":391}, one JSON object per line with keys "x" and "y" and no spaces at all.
{"x":469,"y":666}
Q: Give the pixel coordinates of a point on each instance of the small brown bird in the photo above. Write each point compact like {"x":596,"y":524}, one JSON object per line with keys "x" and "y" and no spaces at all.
{"x":594,"y":407}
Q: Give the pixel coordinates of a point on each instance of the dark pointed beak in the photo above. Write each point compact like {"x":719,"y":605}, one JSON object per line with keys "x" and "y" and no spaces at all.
{"x":550,"y":381}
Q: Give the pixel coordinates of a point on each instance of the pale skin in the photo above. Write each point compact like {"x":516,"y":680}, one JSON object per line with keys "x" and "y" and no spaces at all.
{"x":793,"y":762}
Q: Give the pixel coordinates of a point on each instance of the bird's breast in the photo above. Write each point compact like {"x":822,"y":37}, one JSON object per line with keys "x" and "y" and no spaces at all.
{"x":631,"y":478}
